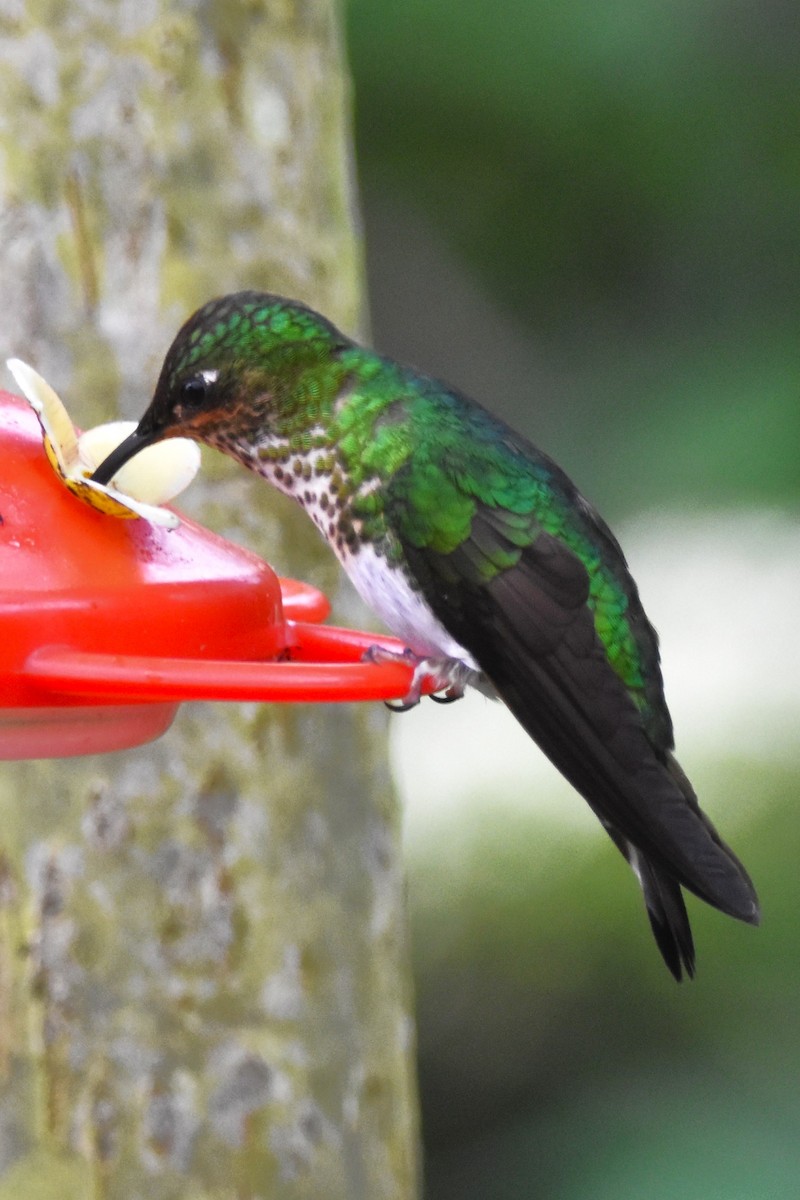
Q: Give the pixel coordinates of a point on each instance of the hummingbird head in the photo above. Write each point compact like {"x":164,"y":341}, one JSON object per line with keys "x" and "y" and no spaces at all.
{"x":227,"y":377}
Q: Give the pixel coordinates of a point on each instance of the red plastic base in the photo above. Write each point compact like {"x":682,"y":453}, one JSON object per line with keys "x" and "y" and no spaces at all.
{"x":67,"y":731}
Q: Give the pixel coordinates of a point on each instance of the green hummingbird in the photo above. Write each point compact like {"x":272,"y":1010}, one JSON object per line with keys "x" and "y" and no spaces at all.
{"x":477,"y":551}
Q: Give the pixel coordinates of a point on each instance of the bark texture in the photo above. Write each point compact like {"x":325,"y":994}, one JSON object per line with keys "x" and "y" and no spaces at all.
{"x":203,"y":965}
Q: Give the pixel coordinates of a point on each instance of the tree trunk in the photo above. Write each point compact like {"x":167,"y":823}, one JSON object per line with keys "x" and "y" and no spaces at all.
{"x":204,"y":986}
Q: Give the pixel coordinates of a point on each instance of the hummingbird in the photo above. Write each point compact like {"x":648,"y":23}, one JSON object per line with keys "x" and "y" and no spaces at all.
{"x":477,"y":551}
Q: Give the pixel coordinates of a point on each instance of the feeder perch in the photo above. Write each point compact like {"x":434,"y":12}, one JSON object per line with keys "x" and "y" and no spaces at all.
{"x":106,"y":625}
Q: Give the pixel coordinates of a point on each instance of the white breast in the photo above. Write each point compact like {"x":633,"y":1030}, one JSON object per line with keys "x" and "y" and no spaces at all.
{"x":403,"y":610}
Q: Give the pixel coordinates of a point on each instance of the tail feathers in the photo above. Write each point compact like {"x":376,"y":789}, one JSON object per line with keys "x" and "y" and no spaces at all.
{"x":667,"y":912}
{"x":663,"y":897}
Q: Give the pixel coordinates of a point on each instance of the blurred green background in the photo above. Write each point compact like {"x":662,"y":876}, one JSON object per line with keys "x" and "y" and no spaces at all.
{"x":586,"y":216}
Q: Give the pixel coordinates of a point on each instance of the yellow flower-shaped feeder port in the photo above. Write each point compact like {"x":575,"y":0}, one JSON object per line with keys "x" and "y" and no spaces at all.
{"x":156,"y":475}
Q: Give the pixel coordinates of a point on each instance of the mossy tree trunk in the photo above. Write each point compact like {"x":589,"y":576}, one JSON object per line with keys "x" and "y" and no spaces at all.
{"x":203,"y":970}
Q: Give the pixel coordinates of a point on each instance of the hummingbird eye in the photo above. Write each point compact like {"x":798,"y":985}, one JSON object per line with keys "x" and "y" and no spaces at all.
{"x":193,"y":391}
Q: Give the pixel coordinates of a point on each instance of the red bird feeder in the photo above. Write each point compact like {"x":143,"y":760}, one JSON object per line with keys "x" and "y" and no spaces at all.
{"x":106,"y":625}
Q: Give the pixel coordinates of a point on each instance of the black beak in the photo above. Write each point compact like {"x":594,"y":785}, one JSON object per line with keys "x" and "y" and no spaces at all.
{"x":126,"y":450}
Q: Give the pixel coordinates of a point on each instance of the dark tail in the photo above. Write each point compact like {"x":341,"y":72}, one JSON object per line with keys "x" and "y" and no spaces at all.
{"x":667,"y":912}
{"x":669,"y":920}
{"x":664,"y":898}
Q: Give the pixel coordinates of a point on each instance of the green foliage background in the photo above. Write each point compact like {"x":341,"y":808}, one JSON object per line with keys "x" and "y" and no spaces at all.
{"x":587,"y":216}
{"x":623,"y":180}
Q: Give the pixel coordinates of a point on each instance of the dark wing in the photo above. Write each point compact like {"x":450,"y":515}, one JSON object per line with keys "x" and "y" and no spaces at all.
{"x":531,"y":630}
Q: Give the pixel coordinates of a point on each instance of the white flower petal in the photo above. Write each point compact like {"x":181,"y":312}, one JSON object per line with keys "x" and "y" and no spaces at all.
{"x":154,"y":475}
{"x":53,"y":416}
{"x":148,"y":512}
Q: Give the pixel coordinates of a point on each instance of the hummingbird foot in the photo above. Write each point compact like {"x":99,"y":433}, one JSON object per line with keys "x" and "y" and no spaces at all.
{"x":401,"y":706}
{"x":449,"y":676}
